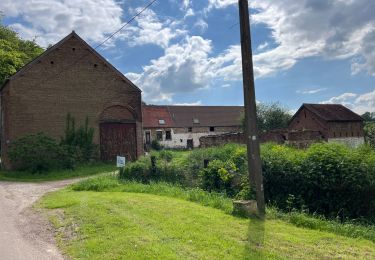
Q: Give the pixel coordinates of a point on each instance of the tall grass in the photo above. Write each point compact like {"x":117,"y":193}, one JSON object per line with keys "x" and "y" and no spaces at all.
{"x":300,"y":219}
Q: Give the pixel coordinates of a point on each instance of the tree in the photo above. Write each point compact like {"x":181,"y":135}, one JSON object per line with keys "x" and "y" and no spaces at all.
{"x":14,"y":52}
{"x":369,"y":116}
{"x":271,"y":116}
{"x":369,"y":130}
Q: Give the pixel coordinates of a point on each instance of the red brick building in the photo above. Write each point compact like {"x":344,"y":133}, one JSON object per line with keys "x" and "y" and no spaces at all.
{"x":335,"y":122}
{"x":71,"y":77}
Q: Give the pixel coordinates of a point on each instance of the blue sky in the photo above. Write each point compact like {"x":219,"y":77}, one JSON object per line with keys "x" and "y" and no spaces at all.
{"x":187,"y":51}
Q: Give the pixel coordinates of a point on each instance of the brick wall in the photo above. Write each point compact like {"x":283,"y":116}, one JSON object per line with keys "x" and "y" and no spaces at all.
{"x":39,"y":98}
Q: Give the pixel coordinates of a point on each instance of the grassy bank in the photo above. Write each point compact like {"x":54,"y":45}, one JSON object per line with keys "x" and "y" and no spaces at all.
{"x":128,"y":225}
{"x":81,"y":171}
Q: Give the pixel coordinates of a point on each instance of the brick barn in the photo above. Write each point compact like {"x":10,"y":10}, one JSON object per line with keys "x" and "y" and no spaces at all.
{"x":333,"y":122}
{"x":71,"y":77}
{"x":181,"y":127}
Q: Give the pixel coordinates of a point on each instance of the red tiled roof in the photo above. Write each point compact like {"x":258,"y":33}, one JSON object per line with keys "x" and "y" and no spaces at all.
{"x":183,"y":116}
{"x":152,"y":114}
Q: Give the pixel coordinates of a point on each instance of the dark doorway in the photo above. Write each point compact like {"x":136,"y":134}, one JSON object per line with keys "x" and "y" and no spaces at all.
{"x":118,"y":139}
{"x":148,"y":138}
{"x":190,"y":144}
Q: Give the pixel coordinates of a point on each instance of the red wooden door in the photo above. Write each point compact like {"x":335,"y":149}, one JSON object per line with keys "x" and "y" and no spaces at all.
{"x":118,"y":139}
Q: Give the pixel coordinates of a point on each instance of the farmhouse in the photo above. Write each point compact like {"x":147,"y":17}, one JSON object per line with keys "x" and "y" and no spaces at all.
{"x":181,"y":126}
{"x":71,"y":77}
{"x":333,"y":122}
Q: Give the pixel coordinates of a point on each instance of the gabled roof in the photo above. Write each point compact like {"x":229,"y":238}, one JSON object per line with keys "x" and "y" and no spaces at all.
{"x":192,"y":116}
{"x":73,"y":34}
{"x":331,"y":112}
{"x":152,"y":114}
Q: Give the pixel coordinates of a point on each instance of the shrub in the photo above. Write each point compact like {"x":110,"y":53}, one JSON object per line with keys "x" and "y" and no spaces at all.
{"x":39,"y":153}
{"x":79,"y":142}
{"x":329,"y":179}
{"x":139,"y":170}
{"x":155,"y":145}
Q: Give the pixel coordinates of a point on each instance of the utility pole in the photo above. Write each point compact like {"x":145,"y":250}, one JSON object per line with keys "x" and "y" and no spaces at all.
{"x":251,"y":129}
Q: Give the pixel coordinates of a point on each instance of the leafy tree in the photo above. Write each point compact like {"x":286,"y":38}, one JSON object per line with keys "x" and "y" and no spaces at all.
{"x":14,"y":52}
{"x":370,"y":134}
{"x":271,"y":116}
{"x":369,"y":116}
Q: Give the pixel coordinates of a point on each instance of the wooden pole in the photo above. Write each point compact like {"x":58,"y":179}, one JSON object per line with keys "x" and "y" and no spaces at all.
{"x":251,"y":129}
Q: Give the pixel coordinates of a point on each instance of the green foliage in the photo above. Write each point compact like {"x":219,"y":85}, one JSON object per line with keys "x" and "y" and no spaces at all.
{"x":155,"y":145}
{"x":270,"y":117}
{"x":79,"y":142}
{"x":329,"y":179}
{"x":39,"y":153}
{"x":14,"y":52}
{"x":369,"y":116}
{"x":109,"y":183}
{"x":316,"y":222}
{"x":369,"y":130}
{"x":218,"y":177}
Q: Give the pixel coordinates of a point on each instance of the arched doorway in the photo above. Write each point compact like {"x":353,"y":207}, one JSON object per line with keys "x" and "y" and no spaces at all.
{"x":118,"y":133}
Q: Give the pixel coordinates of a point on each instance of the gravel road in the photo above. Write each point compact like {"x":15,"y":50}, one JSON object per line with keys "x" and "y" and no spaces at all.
{"x":24,"y":234}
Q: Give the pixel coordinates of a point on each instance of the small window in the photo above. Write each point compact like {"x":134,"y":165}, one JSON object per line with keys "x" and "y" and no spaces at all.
{"x":195,"y":121}
{"x":159,"y":135}
{"x":212,"y":129}
{"x":190,"y":129}
{"x":52,"y":62}
{"x":161,"y":122}
{"x":168,"y":135}
{"x":73,"y":49}
{"x":334,"y":134}
{"x":95,"y":65}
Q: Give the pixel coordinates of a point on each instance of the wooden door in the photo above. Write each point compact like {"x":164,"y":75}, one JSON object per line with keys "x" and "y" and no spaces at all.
{"x":118,"y":139}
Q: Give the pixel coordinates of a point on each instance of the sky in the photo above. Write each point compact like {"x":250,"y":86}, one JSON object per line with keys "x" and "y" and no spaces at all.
{"x":187,"y":52}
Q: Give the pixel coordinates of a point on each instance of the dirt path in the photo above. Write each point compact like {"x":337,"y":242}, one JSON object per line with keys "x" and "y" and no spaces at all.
{"x":24,"y":235}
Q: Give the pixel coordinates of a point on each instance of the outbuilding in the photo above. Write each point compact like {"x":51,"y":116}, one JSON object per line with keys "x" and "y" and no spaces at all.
{"x":72,"y":78}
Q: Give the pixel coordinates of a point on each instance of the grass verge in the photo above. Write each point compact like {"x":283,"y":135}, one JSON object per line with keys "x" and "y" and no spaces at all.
{"x":220,"y":201}
{"x":124,"y":225}
{"x":81,"y":171}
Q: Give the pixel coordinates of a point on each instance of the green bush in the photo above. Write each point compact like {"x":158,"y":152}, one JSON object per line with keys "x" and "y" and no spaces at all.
{"x":329,"y":179}
{"x":80,"y":142}
{"x":155,"y":145}
{"x":39,"y":153}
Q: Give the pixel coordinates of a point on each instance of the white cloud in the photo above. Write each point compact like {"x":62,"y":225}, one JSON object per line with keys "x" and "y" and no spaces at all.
{"x":262,"y":46}
{"x":360,"y":103}
{"x":334,"y":29}
{"x":201,"y":24}
{"x":311,"y":91}
{"x":183,"y":68}
{"x":50,"y":20}
{"x":151,"y":30}
{"x":198,"y":103}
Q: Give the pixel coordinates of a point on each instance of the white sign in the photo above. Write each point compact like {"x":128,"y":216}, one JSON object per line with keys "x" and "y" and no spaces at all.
{"x":120,"y":161}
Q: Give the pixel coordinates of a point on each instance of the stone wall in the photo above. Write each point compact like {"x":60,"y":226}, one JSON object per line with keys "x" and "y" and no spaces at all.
{"x":349,"y":141}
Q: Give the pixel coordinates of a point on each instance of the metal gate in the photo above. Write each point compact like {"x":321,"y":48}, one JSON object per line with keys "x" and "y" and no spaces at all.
{"x":118,"y":139}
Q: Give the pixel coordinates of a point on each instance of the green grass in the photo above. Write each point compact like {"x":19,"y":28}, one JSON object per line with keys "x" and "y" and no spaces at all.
{"x":111,"y":183}
{"x":125,"y":225}
{"x":81,"y":171}
{"x":220,"y":201}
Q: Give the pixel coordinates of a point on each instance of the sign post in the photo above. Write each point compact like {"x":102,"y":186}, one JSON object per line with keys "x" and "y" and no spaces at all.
{"x":120,"y":161}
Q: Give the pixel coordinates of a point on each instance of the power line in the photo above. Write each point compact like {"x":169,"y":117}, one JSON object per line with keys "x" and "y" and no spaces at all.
{"x":83,"y":56}
{"x":128,"y":22}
